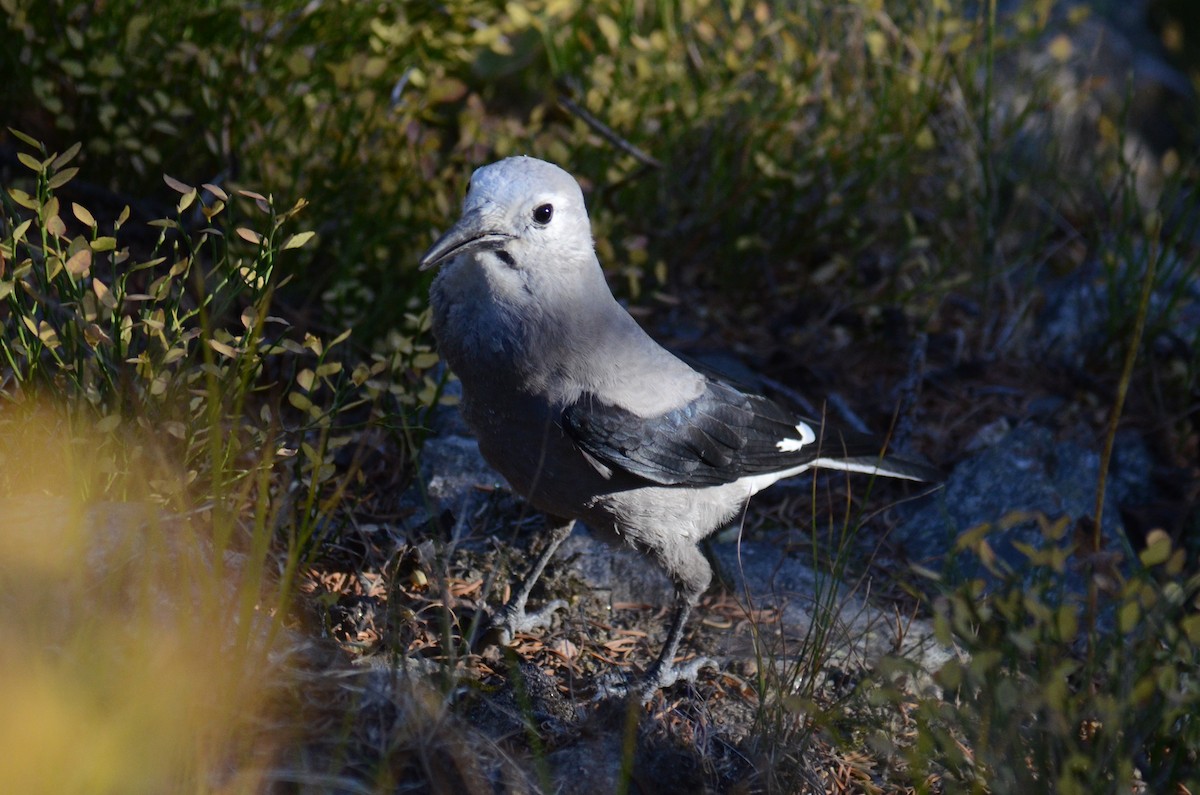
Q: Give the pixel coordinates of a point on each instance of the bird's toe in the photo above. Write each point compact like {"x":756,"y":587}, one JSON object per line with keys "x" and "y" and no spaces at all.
{"x":616,"y":684}
{"x":512,"y":619}
{"x":660,"y":677}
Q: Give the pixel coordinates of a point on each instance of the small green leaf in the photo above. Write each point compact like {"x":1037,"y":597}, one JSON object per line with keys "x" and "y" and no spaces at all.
{"x":1128,"y":616}
{"x":36,"y":144}
{"x":610,"y":31}
{"x":22,"y":198}
{"x":423,"y":361}
{"x":299,"y":401}
{"x":104,"y":244}
{"x":31,"y":162}
{"x":62,"y":177}
{"x":1158,"y":548}
{"x":67,"y":156}
{"x":1190,"y":624}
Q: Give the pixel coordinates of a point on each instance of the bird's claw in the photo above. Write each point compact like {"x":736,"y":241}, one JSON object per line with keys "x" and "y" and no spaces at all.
{"x":659,"y":677}
{"x":511,"y":619}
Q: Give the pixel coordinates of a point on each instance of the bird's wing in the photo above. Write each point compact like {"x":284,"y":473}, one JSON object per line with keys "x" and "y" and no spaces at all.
{"x":720,"y":437}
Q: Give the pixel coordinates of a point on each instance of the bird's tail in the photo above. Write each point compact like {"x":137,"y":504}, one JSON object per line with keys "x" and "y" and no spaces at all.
{"x":889,"y":466}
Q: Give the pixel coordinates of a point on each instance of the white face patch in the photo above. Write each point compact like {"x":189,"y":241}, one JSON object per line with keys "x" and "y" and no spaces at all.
{"x":793,"y":445}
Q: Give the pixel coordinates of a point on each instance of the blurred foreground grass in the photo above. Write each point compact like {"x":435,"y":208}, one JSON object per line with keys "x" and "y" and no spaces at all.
{"x":135,"y":658}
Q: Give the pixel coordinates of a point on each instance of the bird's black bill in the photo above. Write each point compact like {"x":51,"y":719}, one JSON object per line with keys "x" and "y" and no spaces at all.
{"x":471,"y":233}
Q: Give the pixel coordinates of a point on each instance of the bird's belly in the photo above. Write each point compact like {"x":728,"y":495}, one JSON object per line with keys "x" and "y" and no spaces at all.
{"x":525,"y":443}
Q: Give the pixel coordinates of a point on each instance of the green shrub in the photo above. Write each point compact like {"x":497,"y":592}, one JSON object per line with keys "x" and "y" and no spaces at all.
{"x":1036,"y":704}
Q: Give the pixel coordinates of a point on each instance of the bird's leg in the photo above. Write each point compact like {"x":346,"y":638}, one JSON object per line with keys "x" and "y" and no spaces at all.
{"x":664,"y":672}
{"x":512,"y":618}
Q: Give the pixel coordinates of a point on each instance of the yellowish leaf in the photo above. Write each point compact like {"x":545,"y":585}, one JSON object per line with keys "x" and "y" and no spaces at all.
{"x":876,"y":44}
{"x":610,"y":31}
{"x":30,"y":162}
{"x":106,"y":298}
{"x":1158,"y":548}
{"x":329,"y":368}
{"x":22,"y":198}
{"x":109,"y":423}
{"x":213,"y":210}
{"x":297,"y":240}
{"x":223,"y":349}
{"x":83,"y":215}
{"x":95,"y":336}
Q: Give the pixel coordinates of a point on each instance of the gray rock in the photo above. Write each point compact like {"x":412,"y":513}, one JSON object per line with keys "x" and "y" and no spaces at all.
{"x":1025,"y":474}
{"x":614,"y":572}
{"x":455,"y":477}
{"x":856,"y":635}
{"x":1079,"y":321}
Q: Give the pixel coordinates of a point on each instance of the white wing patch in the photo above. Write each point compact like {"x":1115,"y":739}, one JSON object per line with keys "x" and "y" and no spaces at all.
{"x":807,"y":437}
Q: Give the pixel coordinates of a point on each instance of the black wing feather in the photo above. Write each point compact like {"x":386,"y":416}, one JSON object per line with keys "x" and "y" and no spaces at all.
{"x":719,"y":437}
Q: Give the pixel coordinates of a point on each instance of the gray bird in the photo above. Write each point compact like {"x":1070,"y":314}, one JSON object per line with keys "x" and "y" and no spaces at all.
{"x":585,"y":415}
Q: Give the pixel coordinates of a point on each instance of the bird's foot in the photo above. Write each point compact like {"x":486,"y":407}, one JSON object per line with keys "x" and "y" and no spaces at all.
{"x":660,"y":676}
{"x":513,"y":618}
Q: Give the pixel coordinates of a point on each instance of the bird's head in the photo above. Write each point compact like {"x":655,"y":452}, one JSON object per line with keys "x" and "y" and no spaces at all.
{"x":522,"y":214}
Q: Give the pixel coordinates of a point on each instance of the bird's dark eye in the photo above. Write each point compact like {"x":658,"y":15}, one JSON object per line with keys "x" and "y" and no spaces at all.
{"x":543,"y":213}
